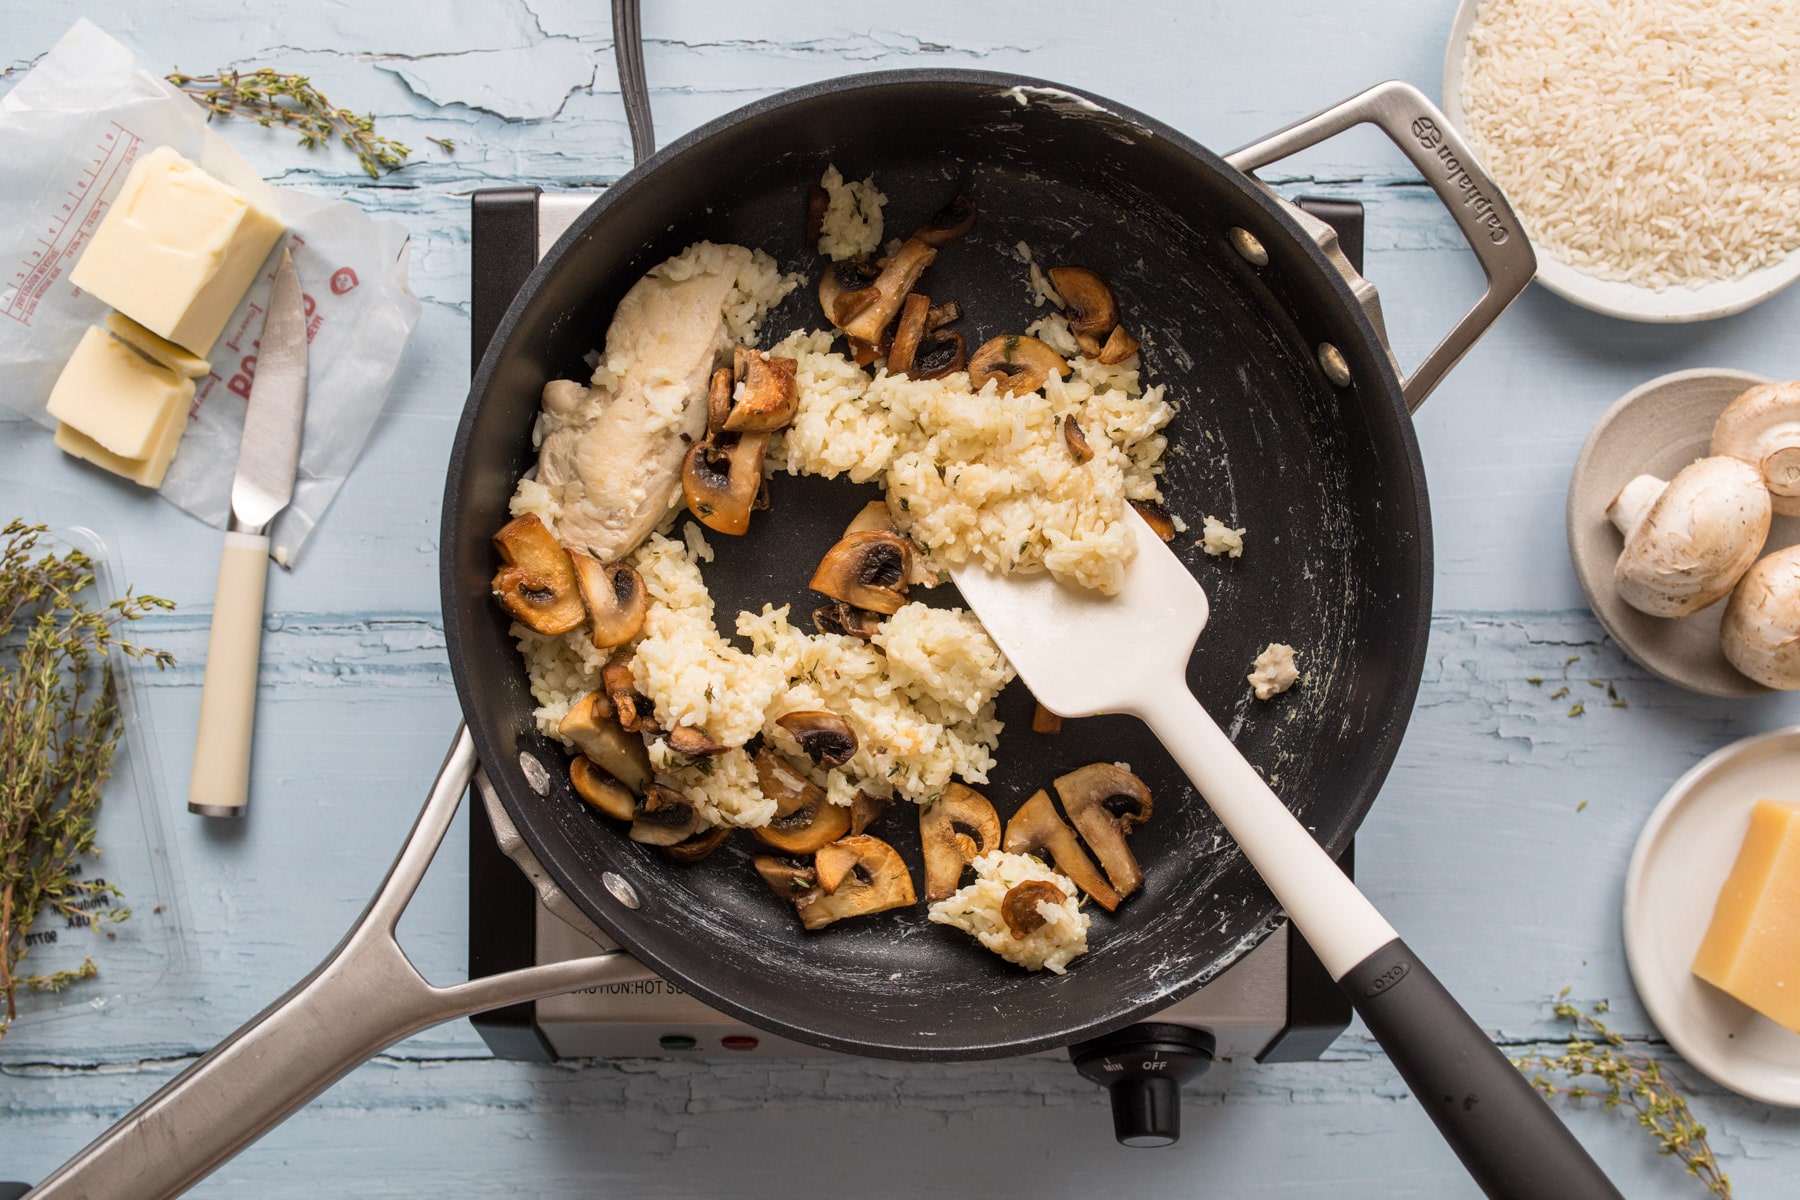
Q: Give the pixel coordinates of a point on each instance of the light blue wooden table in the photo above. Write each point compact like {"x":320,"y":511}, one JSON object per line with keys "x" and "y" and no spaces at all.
{"x":1480,"y":849}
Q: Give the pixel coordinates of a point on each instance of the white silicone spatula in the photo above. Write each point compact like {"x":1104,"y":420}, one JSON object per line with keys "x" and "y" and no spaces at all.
{"x":1505,"y":1134}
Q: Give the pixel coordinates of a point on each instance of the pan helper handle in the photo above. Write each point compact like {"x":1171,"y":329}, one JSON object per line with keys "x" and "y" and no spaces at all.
{"x":1513,"y":1146}
{"x":1425,"y":136}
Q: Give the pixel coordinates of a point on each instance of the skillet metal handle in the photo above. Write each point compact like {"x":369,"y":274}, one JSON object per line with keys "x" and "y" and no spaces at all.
{"x":1425,"y":136}
{"x":364,"y":997}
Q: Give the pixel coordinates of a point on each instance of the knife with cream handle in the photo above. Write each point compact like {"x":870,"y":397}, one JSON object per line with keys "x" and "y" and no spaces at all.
{"x":268,"y":459}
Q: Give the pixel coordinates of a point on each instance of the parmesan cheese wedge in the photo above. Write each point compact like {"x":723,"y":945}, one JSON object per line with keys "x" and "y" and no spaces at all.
{"x":1752,"y":947}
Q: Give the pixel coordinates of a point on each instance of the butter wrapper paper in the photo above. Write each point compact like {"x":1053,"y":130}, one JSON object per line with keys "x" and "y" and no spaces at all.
{"x":69,"y":132}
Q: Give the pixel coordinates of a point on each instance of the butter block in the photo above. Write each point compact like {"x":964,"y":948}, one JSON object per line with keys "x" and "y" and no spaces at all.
{"x":1752,"y":947}
{"x":157,"y":349}
{"x":177,"y":250}
{"x":146,"y":471}
{"x":116,"y":396}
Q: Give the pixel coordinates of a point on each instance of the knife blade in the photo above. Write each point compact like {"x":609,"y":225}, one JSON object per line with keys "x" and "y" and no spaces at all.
{"x":269,"y":454}
{"x":268,"y":461}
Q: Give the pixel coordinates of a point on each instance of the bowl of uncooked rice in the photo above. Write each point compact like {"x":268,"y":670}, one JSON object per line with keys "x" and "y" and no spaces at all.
{"x":1650,"y":149}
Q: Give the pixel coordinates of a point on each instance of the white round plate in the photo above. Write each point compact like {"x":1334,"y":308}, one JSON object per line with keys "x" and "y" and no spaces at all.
{"x":1657,"y":429}
{"x":1629,"y":301}
{"x":1682,"y":858}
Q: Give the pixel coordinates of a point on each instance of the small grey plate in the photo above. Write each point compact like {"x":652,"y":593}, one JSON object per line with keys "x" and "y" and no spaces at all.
{"x":1657,"y":429}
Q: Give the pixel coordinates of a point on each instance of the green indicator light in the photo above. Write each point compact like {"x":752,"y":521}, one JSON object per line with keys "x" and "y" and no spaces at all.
{"x":676,"y":1041}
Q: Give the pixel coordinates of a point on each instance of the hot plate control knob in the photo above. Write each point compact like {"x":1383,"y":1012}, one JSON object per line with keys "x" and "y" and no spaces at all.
{"x":1143,"y":1067}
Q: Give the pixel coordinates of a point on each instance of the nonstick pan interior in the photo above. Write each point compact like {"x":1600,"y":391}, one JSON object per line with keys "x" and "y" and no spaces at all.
{"x":1326,"y":480}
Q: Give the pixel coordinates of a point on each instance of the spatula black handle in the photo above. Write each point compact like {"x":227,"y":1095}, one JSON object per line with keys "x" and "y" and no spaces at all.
{"x":1498,"y":1124}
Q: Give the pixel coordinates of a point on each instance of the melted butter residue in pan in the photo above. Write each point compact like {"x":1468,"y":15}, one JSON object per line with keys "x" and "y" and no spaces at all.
{"x":1070,"y":104}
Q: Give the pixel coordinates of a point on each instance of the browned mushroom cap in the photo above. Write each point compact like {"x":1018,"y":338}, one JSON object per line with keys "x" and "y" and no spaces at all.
{"x":804,"y":820}
{"x":1045,"y":721}
{"x":664,"y":817}
{"x":826,"y":737}
{"x":770,"y":397}
{"x":788,"y":878}
{"x":948,"y":223}
{"x":896,"y":279}
{"x":833,"y":863}
{"x":1106,"y":802}
{"x":1077,"y":440}
{"x":846,"y":619}
{"x":1037,"y":827}
{"x":601,"y":790}
{"x":873,"y":515}
{"x":818,"y":200}
{"x":843,"y":293}
{"x":908,"y":333}
{"x":630,"y":708}
{"x":1018,"y":363}
{"x":943,"y":353}
{"x":589,"y":724}
{"x":1019,"y":907}
{"x":689,"y":742}
{"x":877,"y":880}
{"x":866,"y":809}
{"x":1087,"y":301}
{"x":868,"y":570}
{"x":720,"y":478}
{"x":718,"y":400}
{"x":1119,"y":347}
{"x":863,"y":353}
{"x":940,"y":315}
{"x":955,"y":830}
{"x":614,"y":597}
{"x":537,"y":582}
{"x":701,"y":844}
{"x":1155,"y":516}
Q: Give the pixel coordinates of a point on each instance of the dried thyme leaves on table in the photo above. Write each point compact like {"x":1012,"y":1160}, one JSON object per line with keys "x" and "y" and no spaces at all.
{"x":1579,"y":708}
{"x":59,"y":727}
{"x":273,"y":98}
{"x":1599,"y":1064}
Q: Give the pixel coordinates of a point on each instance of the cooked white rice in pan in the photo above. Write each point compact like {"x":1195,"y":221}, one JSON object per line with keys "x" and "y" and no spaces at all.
{"x":981,"y":476}
{"x":970,"y":477}
{"x":976,"y":910}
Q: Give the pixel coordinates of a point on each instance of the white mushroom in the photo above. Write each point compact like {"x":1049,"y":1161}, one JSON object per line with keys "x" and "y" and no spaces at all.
{"x":1689,"y":540}
{"x":1762,"y":427}
{"x":1761,"y":632}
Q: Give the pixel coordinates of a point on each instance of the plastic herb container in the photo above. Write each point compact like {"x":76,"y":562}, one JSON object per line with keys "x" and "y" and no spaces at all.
{"x":137,"y":957}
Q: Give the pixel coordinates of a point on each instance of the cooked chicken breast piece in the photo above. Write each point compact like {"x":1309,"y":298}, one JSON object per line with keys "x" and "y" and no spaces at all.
{"x":621,"y":447}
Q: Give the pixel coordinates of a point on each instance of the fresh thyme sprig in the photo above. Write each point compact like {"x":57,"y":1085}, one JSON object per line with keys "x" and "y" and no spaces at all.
{"x":1631,"y":1080}
{"x":273,"y":98}
{"x":59,"y":726}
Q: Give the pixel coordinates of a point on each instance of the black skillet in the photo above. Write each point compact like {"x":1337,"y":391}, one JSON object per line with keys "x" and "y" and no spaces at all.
{"x":1326,"y":479}
{"x":1293,"y":424}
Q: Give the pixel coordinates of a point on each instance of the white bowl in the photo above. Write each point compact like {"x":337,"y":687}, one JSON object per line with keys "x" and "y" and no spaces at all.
{"x":1682,"y":858}
{"x":1672,"y":305}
